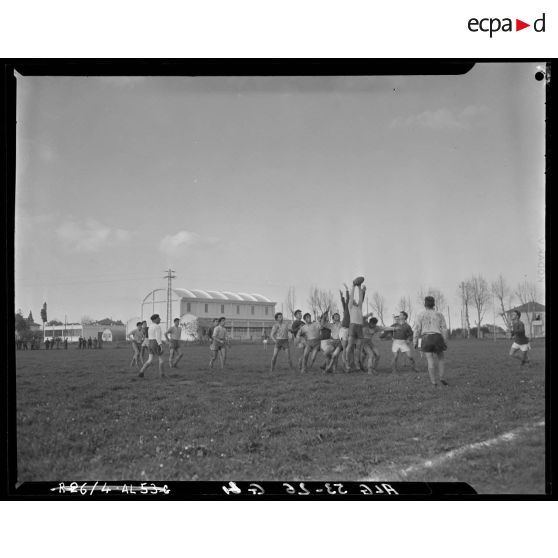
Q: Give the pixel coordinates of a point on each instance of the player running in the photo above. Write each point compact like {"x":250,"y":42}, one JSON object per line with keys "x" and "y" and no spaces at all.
{"x":218,"y":343}
{"x":136,"y":337}
{"x":402,"y":339}
{"x":280,"y":337}
{"x":520,"y":341}
{"x":173,"y":336}
{"x":155,"y":343}
{"x":430,"y":336}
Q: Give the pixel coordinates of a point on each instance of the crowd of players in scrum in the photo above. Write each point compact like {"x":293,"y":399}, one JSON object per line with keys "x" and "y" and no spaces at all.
{"x":347,"y":341}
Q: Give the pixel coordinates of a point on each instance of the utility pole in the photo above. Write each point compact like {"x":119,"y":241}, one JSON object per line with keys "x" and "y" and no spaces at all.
{"x":493,"y":317}
{"x":169,"y":276}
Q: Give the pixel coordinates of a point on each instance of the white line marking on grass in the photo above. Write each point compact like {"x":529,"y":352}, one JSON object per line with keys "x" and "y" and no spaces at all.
{"x":442,"y":458}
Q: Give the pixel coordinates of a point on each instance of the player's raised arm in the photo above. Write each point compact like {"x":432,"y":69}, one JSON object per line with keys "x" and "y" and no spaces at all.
{"x":362,"y":293}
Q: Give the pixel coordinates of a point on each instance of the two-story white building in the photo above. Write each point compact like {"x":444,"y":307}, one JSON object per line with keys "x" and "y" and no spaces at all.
{"x":249,"y":316}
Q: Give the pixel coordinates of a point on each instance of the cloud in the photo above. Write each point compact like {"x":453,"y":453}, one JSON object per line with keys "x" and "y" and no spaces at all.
{"x":170,"y":244}
{"x":90,"y":235}
{"x":444,"y":119}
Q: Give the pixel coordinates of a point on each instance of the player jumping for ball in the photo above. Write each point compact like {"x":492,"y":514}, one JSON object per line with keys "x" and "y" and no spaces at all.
{"x":280,"y":337}
{"x":173,"y":336}
{"x":355,"y":326}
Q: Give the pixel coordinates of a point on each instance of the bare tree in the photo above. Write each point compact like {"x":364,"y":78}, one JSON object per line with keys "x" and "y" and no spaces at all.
{"x":87,"y":320}
{"x":378,"y":304}
{"x":320,"y":300}
{"x":290,"y":301}
{"x":314,"y":300}
{"x":528,"y":293}
{"x":503,"y":293}
{"x":480,"y":298}
{"x":405,"y":305}
{"x":464,"y":292}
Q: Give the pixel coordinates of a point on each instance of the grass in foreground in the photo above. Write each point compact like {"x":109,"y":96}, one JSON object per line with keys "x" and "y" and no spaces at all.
{"x":85,"y":415}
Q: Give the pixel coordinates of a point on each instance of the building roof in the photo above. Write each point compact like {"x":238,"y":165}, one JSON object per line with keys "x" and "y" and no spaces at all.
{"x":529,"y":307}
{"x":221,"y":295}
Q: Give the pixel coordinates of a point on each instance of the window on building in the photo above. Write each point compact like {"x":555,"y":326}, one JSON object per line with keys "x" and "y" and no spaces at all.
{"x":252,"y":309}
{"x":188,"y":307}
{"x":238,"y":308}
{"x":206,"y":308}
{"x":222,"y":308}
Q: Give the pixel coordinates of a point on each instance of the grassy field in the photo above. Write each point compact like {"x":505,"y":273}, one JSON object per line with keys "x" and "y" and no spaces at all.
{"x":84,"y":415}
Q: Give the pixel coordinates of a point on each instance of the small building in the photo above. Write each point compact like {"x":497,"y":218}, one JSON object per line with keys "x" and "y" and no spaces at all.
{"x":74,"y":331}
{"x":533,"y":315}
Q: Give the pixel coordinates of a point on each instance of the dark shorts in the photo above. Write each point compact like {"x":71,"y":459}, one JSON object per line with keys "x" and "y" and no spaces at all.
{"x":355,"y":331}
{"x":313,"y":343}
{"x":433,"y":343}
{"x":215,"y":347}
{"x":282,"y":344}
{"x":155,"y":348}
{"x":175,"y":344}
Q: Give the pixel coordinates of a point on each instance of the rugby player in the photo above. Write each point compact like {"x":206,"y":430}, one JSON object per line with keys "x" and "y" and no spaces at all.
{"x":173,"y":336}
{"x":155,"y":344}
{"x":345,"y":323}
{"x":355,"y":326}
{"x":402,"y":335}
{"x":310,"y":332}
{"x":218,"y":343}
{"x":136,"y":337}
{"x":331,"y":347}
{"x":299,"y":342}
{"x":430,"y":336}
{"x":280,"y":337}
{"x":145,"y":342}
{"x":520,"y":341}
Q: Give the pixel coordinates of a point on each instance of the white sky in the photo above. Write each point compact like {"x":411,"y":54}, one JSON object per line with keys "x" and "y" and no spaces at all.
{"x":256,"y":184}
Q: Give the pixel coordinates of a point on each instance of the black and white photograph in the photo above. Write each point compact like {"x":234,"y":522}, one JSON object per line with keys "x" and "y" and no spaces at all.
{"x":300,"y":279}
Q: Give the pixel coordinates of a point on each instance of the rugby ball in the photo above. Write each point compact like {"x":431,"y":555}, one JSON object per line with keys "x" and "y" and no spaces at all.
{"x":358,"y":281}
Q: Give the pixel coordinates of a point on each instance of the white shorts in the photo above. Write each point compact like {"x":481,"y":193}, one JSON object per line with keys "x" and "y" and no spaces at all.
{"x":400,"y":345}
{"x":523,"y":348}
{"x":344,"y":333}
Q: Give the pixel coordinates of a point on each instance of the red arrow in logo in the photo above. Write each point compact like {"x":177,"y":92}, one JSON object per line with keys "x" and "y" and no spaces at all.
{"x":519,"y":25}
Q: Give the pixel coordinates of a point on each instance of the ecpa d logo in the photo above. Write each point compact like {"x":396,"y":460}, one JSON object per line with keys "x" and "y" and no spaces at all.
{"x":492,"y":25}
